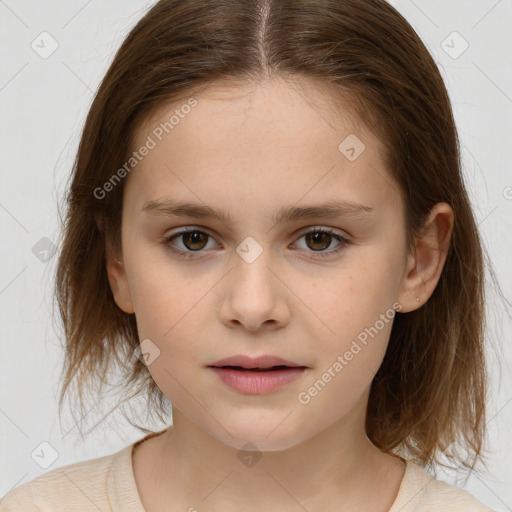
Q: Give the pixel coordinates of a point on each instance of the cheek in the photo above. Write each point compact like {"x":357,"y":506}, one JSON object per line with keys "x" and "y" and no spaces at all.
{"x":167,"y":307}
{"x":355,"y":313}
{"x":345,"y":369}
{"x":167,"y":317}
{"x":163,"y":297}
{"x":350,"y":298}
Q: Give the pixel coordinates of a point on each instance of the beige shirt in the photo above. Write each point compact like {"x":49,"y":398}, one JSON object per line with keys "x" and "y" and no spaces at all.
{"x":108,"y":484}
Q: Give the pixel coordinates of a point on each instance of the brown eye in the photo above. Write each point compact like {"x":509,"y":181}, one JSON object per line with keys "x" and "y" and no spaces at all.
{"x":195,"y":240}
{"x":318,"y":240}
{"x":186,"y":243}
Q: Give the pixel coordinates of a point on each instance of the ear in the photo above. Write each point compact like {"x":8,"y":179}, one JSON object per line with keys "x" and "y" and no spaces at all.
{"x":116,"y":275}
{"x":425,"y":265}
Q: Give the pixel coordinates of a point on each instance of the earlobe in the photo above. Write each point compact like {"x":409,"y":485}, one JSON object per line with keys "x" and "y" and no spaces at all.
{"x":118,"y":281}
{"x":425,"y":266}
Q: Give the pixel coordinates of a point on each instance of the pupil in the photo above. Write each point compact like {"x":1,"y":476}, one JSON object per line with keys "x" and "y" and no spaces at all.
{"x":317,"y":238}
{"x":193,"y":238}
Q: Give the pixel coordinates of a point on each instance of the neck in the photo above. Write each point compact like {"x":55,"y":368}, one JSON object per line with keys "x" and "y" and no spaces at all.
{"x":339,"y":465}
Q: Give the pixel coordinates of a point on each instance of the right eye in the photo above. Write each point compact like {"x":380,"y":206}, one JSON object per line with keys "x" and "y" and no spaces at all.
{"x":193,"y":240}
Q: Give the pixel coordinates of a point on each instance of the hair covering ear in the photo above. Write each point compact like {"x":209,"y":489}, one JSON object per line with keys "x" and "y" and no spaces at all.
{"x":100,"y":223}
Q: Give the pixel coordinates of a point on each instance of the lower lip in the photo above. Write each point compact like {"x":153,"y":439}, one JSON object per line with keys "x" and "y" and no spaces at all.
{"x":257,"y":383}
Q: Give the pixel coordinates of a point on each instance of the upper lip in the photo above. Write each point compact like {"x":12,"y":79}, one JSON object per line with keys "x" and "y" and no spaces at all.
{"x":265,"y":361}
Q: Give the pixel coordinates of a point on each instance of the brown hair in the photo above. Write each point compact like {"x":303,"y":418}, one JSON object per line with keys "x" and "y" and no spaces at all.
{"x":430,"y":390}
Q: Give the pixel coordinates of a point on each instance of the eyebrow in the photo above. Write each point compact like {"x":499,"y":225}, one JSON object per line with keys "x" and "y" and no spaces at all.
{"x":331,"y":209}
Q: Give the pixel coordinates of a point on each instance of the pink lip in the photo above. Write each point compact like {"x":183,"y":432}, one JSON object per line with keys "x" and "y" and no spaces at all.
{"x":255,"y":362}
{"x":256,"y":382}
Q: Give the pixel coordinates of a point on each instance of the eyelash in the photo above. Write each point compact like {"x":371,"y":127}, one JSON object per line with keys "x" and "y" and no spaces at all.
{"x":190,"y":254}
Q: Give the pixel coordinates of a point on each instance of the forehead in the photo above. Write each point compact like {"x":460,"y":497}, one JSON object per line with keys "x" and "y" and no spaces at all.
{"x":288,"y":100}
{"x":278,"y":139}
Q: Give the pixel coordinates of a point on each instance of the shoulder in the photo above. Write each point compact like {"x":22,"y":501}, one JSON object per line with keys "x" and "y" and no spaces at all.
{"x":420,"y":492}
{"x":85,"y":484}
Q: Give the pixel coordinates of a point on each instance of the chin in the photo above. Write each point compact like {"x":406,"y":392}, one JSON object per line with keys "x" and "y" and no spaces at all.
{"x":268,"y":436}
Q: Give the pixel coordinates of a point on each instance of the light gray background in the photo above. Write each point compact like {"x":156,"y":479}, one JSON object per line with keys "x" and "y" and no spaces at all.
{"x":43,"y":103}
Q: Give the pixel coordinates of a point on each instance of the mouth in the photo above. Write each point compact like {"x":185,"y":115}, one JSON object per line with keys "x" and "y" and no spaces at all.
{"x":257,"y":376}
{"x":260,"y":363}
{"x":270,"y":369}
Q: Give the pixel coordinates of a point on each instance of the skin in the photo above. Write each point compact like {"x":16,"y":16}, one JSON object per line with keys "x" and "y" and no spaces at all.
{"x":250,"y":150}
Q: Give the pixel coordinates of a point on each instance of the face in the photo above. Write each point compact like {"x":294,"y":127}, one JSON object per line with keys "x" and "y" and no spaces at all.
{"x":318,"y":288}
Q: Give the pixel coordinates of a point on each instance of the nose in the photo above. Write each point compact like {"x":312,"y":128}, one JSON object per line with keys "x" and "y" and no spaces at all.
{"x":253,"y":295}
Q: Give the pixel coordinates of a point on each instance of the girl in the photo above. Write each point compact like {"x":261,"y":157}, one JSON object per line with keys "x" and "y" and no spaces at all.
{"x":268,"y":228}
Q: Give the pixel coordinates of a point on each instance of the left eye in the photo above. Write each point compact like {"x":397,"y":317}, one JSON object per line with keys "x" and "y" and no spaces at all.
{"x":317,"y":240}
{"x":320,"y":239}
